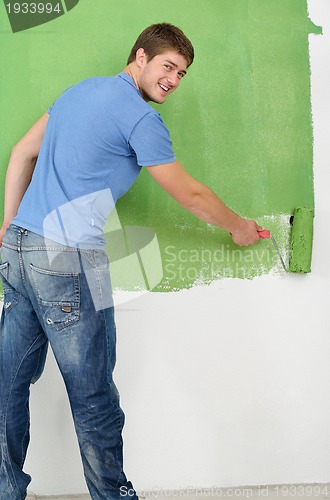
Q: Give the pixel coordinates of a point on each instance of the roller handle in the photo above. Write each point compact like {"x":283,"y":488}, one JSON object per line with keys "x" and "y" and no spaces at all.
{"x":264,"y":234}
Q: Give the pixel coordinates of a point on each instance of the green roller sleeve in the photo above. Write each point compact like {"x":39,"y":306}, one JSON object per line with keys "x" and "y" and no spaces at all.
{"x":301,"y":242}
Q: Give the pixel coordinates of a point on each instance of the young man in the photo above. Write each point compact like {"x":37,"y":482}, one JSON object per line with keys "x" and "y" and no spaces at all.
{"x":63,"y":178}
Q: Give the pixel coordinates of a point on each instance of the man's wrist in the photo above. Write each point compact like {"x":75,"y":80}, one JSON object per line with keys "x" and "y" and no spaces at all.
{"x":6,"y":222}
{"x":236,"y":225}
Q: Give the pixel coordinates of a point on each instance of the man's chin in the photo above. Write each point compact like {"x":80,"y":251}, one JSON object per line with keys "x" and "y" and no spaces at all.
{"x":156,"y":99}
{"x":159,"y":100}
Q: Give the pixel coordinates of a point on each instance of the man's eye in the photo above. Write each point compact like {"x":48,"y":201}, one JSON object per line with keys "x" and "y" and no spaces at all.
{"x":167,"y":66}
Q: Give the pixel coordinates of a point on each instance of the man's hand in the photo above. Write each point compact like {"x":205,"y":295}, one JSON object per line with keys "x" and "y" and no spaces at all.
{"x":247,"y":233}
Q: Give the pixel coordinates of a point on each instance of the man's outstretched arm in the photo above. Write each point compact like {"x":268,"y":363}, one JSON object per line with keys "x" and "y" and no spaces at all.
{"x":20,"y":169}
{"x":203,"y":202}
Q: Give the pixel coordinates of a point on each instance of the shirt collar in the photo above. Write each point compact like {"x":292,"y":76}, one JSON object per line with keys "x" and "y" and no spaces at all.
{"x":128,"y":79}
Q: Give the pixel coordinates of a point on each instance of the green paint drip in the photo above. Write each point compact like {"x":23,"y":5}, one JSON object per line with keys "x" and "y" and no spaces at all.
{"x":301,"y":240}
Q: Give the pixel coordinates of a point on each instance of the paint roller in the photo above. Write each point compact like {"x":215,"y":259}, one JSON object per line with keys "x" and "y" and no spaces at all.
{"x":301,"y":241}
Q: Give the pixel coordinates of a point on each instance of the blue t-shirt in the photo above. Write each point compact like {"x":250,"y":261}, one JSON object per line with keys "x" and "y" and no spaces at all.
{"x":99,"y":134}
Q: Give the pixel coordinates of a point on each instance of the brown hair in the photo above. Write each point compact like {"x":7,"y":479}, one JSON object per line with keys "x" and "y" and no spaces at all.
{"x":158,"y":38}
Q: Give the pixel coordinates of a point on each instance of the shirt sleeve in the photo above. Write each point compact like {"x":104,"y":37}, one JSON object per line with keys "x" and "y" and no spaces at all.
{"x":150,"y":140}
{"x":49,"y":110}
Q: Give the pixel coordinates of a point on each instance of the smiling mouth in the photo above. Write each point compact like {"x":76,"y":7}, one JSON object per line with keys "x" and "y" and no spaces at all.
{"x":164,"y":87}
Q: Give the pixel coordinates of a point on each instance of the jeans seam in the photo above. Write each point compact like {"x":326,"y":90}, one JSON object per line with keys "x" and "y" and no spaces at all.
{"x":48,"y":248}
{"x":25,"y":433}
{"x":36,"y":370}
{"x":21,"y":267}
{"x":6,"y":411}
{"x":119,"y":411}
{"x":97,"y":272}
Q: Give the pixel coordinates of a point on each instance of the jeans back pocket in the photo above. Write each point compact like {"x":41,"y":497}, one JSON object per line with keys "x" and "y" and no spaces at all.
{"x":58,"y":295}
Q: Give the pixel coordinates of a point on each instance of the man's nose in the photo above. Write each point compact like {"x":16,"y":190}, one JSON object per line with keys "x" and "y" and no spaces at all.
{"x":173,"y":80}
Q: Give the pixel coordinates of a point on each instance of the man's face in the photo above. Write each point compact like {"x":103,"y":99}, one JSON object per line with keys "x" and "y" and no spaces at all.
{"x":161,"y":76}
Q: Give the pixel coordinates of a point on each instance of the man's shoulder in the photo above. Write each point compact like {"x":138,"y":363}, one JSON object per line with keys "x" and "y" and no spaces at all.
{"x":115,"y":97}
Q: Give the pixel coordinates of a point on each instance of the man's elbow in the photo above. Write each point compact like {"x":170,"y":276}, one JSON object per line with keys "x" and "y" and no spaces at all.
{"x":191,"y":201}
{"x":21,"y":152}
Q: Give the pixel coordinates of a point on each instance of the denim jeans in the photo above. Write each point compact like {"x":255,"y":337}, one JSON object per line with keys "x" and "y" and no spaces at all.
{"x":61,"y":295}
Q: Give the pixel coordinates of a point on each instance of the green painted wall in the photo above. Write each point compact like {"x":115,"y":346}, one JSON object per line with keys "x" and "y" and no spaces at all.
{"x":240,"y":121}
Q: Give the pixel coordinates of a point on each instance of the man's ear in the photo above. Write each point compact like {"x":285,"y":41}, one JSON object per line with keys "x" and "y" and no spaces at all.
{"x":140,"y":57}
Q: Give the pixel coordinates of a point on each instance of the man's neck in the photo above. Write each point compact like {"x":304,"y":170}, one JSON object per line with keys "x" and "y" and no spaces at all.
{"x":131,"y":71}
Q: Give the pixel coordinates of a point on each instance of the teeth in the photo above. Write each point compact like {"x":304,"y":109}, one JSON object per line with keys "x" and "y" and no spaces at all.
{"x":164,"y":88}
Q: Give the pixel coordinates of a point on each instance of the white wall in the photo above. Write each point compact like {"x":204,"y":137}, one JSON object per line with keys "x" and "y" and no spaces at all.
{"x":223,"y":385}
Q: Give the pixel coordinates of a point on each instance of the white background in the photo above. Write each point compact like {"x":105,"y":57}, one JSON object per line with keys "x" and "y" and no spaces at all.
{"x":224,"y":385}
